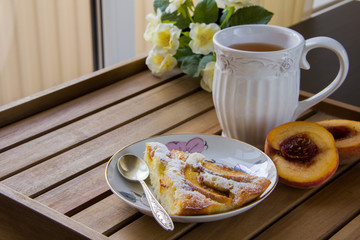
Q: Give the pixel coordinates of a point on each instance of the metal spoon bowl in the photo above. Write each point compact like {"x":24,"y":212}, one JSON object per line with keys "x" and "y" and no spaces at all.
{"x":134,"y":169}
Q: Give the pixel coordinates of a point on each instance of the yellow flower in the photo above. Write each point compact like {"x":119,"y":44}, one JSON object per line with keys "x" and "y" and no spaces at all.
{"x":207,"y":76}
{"x":165,"y":38}
{"x":174,"y":5}
{"x":202,"y":37}
{"x":153,"y":20}
{"x":160,"y":63}
{"x":238,"y":3}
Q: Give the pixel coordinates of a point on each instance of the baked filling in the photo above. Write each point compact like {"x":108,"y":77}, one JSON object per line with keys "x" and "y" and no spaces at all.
{"x":186,"y":184}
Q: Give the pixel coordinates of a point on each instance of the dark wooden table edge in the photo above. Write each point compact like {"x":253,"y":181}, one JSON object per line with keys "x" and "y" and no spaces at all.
{"x":334,"y":107}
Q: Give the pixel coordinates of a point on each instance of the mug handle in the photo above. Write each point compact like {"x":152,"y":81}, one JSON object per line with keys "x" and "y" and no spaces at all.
{"x":339,"y":50}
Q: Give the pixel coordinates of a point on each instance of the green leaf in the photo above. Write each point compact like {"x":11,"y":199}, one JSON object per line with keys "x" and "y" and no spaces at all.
{"x":184,"y":49}
{"x":194,"y":64}
{"x":187,"y":34}
{"x":162,"y":4}
{"x":182,"y":53}
{"x":184,"y":41}
{"x":225,"y":17}
{"x":189,"y":4}
{"x":190,"y":65}
{"x":178,"y":19}
{"x":251,"y":15}
{"x":206,"y":11}
{"x":204,"y":61}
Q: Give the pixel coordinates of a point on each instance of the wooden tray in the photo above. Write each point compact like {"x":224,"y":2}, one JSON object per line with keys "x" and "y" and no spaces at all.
{"x":54,"y":147}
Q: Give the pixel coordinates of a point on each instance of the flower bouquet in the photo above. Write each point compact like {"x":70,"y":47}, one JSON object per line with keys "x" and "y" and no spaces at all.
{"x":181,"y":33}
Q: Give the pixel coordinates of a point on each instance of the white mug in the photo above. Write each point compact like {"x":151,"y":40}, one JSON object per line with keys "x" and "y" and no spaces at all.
{"x":256,"y":91}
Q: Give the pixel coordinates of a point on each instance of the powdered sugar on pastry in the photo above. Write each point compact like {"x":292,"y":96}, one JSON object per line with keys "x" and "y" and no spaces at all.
{"x":195,"y":159}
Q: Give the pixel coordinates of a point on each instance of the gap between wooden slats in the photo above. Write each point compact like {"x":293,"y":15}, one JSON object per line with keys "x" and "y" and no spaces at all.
{"x":76,"y":133}
{"x":59,"y":116}
{"x":33,"y":181}
{"x":351,"y":231}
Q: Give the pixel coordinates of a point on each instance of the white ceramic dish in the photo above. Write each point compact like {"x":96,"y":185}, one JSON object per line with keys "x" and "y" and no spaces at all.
{"x":233,"y":153}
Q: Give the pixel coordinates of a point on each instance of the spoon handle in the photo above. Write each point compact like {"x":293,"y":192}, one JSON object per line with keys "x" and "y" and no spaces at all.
{"x":158,"y":211}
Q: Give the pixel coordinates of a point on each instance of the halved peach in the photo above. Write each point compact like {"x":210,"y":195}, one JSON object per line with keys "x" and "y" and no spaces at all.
{"x":304,"y":153}
{"x":347,"y":138}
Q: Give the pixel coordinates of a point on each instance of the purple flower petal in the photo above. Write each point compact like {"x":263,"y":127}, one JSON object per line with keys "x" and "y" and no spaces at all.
{"x":193,"y":145}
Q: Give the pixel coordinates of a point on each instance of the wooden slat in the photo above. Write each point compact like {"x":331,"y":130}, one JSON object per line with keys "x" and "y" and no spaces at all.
{"x":77,"y":108}
{"x":323,"y":213}
{"x":24,"y":218}
{"x":205,"y":123}
{"x":111,"y":213}
{"x":93,"y":125}
{"x":150,"y":229}
{"x":76,"y":191}
{"x":38,"y":178}
{"x":350,"y":232}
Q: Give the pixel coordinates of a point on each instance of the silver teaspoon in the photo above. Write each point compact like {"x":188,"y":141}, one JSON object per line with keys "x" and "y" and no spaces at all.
{"x":135,"y":169}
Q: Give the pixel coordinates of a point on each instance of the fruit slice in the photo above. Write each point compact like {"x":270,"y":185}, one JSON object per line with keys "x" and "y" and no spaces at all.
{"x":347,"y":138}
{"x":304,"y":153}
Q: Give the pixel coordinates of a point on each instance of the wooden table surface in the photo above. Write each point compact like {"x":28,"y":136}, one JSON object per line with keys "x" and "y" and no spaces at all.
{"x":54,"y":147}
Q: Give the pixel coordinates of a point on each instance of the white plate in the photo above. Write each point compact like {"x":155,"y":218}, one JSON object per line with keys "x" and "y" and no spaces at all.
{"x":233,"y":153}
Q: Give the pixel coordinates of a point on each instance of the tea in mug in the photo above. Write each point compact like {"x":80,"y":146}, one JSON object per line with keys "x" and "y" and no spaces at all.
{"x":256,"y":47}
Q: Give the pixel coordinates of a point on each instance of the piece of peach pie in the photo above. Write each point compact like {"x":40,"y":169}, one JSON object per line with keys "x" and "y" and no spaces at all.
{"x":186,"y":184}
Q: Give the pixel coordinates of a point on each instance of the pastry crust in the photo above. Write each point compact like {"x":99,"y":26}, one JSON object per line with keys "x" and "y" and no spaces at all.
{"x":186,"y":184}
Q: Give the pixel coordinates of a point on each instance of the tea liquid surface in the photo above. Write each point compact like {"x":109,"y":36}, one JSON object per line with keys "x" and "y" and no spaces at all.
{"x":256,"y":47}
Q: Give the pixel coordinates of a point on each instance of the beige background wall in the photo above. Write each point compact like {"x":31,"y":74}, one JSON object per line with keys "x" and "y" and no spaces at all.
{"x":42,"y":43}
